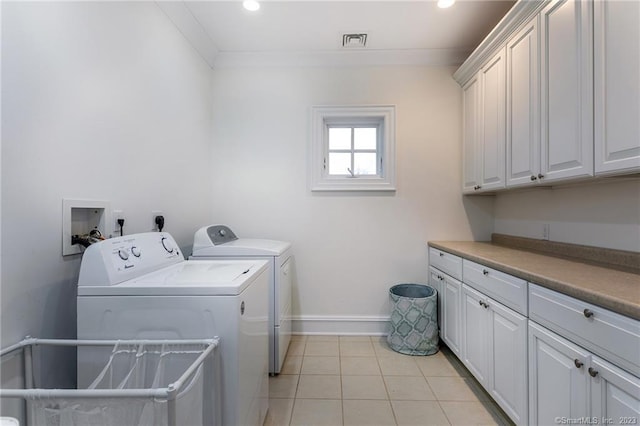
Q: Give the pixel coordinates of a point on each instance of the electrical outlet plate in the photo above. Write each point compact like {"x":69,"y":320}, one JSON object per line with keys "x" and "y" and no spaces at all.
{"x":155,"y":213}
{"x":116,"y":214}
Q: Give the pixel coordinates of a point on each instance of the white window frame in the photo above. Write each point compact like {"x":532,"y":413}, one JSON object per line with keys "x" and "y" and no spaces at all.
{"x":379,"y":116}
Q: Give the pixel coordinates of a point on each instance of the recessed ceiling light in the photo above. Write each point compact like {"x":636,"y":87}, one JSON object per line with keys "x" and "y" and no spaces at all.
{"x":251,"y":5}
{"x":443,"y":4}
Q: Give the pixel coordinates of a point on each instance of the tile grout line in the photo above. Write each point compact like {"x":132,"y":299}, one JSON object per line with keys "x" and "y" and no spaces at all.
{"x":379,"y":354}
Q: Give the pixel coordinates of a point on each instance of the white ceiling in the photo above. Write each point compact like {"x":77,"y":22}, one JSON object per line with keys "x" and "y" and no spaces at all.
{"x":308,"y":26}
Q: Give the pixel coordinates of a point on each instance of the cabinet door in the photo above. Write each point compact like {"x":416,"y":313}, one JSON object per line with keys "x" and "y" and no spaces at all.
{"x":436,"y":280}
{"x":615,"y":394}
{"x":452,"y":290}
{"x":523,"y":107}
{"x":492,"y":133}
{"x":558,"y":378}
{"x":567,"y":90}
{"x":471,"y":117}
{"x":617,"y":86}
{"x":508,"y":359}
{"x":475,"y":334}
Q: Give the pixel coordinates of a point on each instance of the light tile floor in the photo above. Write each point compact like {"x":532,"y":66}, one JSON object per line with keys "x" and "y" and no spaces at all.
{"x":359,"y":380}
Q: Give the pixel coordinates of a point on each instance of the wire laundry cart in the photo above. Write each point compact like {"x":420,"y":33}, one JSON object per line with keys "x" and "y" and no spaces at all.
{"x":121,"y":382}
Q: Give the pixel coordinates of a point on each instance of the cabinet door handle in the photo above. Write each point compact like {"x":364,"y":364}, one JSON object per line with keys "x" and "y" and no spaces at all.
{"x":480,"y":303}
{"x":441,"y":254}
{"x":540,"y":175}
{"x":592,"y":372}
{"x":534,"y":177}
{"x":587,"y":313}
{"x":485,"y":272}
{"x":578,"y":363}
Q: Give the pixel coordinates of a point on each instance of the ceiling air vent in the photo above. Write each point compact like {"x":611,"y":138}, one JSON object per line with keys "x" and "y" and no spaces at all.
{"x":354,"y":40}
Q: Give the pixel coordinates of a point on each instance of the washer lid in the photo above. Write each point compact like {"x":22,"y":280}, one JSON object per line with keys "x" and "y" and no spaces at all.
{"x":243,"y":247}
{"x":194,"y":277}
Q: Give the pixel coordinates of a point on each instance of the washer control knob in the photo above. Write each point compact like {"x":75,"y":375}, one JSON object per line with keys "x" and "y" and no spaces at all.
{"x":222,"y":232}
{"x":123,"y":254}
{"x":167,"y":245}
{"x":135,"y":251}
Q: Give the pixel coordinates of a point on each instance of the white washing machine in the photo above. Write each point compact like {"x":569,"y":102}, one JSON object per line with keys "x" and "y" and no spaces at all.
{"x":140,"y":287}
{"x":218,"y":241}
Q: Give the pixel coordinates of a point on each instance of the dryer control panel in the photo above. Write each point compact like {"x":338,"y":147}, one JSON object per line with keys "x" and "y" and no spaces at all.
{"x":115,"y":260}
{"x":220,"y":234}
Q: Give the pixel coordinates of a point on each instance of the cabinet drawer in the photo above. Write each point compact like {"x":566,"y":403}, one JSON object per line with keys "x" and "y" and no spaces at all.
{"x":605,"y":333}
{"x":504,"y":288}
{"x":446,"y":262}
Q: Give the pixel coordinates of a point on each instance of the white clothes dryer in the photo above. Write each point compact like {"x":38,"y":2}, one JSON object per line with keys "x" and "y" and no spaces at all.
{"x":219,"y":242}
{"x":140,"y":287}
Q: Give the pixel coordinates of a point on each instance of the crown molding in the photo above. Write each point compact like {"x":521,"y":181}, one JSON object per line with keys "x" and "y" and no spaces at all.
{"x":351,"y":58}
{"x":518,"y":15}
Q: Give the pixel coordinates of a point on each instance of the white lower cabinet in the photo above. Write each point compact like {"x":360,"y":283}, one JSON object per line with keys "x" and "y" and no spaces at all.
{"x":568,"y":383}
{"x":557,"y":378}
{"x":436,"y":281}
{"x":451,"y":327}
{"x":508,"y":357}
{"x":545,"y":357}
{"x":449,"y":299}
{"x":494,"y":342}
{"x":615,"y":394}
{"x":475,"y":334}
{"x":444,"y":273}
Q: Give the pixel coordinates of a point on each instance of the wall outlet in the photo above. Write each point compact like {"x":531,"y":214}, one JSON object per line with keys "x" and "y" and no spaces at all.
{"x":116,"y":214}
{"x":545,"y":231}
{"x":155,"y":213}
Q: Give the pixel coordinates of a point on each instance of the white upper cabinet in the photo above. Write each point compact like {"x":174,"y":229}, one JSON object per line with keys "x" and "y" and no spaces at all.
{"x":560,"y":101}
{"x":523,"y":106}
{"x":470,"y":155}
{"x":492,"y":80}
{"x":617,"y":86}
{"x":567,"y":90}
{"x":484,"y":127}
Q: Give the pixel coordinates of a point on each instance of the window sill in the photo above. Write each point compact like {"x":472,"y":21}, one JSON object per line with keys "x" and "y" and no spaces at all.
{"x":353,"y":184}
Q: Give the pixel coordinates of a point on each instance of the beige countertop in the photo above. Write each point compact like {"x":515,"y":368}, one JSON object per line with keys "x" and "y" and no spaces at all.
{"x":612,"y":289}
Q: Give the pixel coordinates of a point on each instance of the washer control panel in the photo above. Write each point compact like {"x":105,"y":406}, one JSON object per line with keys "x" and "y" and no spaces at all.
{"x":122,"y":258}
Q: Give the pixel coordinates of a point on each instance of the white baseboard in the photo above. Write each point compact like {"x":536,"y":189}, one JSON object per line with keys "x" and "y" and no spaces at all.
{"x":340,"y":325}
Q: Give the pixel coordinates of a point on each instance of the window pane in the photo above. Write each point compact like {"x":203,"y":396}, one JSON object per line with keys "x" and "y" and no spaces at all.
{"x":339,"y":138}
{"x":365,"y":163}
{"x":339,"y":163}
{"x":365,"y":138}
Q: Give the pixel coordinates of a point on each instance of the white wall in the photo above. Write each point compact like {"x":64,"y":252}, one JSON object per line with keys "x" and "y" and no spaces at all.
{"x":100,"y":101}
{"x":350,"y":248}
{"x":604,"y":213}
